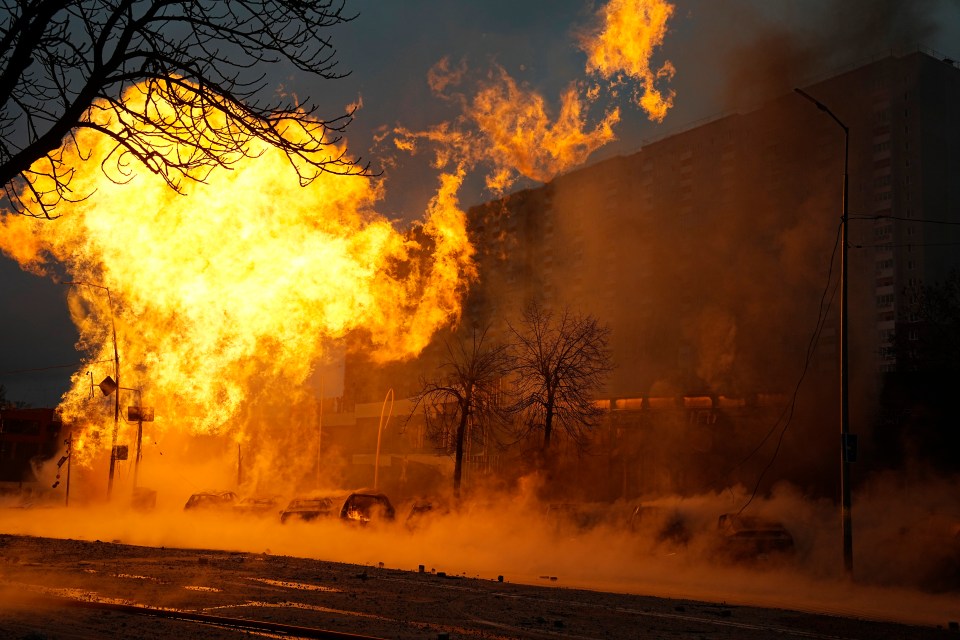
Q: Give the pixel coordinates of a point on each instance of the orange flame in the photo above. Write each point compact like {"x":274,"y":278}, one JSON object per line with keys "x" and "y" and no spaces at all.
{"x":622,"y":46}
{"x":237,"y":290}
{"x":522,"y":137}
{"x":508,"y":126}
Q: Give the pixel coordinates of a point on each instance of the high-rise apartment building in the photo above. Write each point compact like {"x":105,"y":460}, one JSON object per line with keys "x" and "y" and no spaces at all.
{"x":709,"y":252}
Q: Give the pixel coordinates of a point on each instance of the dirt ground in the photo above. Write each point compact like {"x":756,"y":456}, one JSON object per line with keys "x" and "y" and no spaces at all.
{"x":55,"y":588}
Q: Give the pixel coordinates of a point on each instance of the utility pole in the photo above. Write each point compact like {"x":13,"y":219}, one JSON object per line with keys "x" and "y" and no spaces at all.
{"x":319,"y":431}
{"x":69,"y":443}
{"x":847,"y":442}
{"x":116,"y":381}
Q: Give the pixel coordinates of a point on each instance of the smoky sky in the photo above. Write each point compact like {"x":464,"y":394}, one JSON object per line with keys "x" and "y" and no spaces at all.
{"x":727,"y":56}
{"x":810,"y":39}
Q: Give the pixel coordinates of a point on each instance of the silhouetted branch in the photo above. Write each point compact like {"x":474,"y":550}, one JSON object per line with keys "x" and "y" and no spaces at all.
{"x":464,"y":399}
{"x":65,"y":62}
{"x":561,"y":362}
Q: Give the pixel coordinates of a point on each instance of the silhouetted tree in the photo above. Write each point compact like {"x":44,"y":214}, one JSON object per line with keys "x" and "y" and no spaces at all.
{"x":561,"y":362}
{"x":464,"y":399}
{"x":63,"y":61}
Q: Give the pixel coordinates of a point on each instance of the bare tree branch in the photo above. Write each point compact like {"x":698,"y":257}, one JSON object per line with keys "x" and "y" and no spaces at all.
{"x":464,"y":399}
{"x":63,"y":63}
{"x":560,"y":364}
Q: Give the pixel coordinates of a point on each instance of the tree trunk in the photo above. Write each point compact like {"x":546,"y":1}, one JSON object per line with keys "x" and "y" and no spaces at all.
{"x":547,"y":425}
{"x":458,"y":458}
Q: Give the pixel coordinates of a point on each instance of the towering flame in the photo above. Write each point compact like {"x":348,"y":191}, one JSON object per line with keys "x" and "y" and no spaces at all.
{"x":507,"y":125}
{"x":522,"y":137}
{"x":235,"y":291}
{"x":629,"y":32}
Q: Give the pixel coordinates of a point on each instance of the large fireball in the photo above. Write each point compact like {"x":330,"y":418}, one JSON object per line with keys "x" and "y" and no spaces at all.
{"x":237,"y":288}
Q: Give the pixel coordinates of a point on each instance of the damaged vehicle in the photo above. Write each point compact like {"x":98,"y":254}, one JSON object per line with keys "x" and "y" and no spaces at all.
{"x":210,"y":500}
{"x":257,"y":506}
{"x":364,"y":507}
{"x":308,"y":508}
{"x":741,"y":538}
{"x":660,"y":525}
{"x":575,"y":517}
{"x":423,"y":511}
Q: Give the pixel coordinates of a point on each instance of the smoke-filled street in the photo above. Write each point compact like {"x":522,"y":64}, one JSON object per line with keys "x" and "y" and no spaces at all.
{"x":247,"y":566}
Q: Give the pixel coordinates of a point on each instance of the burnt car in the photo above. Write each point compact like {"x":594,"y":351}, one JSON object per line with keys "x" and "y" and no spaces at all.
{"x":309,"y":508}
{"x":422,"y":511}
{"x":749,"y":537}
{"x":257,"y":506}
{"x":210,"y":500}
{"x":364,"y":507}
{"x":574,"y":517}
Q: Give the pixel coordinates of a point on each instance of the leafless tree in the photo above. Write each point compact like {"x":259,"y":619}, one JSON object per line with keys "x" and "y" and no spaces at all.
{"x":561,"y":362}
{"x":464,"y":399}
{"x":64,"y":62}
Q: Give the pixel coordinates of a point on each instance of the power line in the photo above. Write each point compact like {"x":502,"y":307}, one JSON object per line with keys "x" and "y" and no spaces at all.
{"x":55,"y":366}
{"x":921,"y":220}
{"x":787,"y":415}
{"x":891,"y":245}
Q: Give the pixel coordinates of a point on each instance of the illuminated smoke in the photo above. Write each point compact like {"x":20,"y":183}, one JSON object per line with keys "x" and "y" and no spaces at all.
{"x":234,"y":292}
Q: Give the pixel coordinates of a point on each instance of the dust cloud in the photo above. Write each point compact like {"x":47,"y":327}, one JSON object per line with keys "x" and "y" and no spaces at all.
{"x":669,"y":547}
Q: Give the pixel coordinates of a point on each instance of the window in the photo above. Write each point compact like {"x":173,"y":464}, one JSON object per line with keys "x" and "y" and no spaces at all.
{"x":885,"y":300}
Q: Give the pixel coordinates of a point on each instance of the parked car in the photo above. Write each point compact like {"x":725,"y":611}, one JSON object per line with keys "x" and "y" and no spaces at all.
{"x":211,"y":500}
{"x":309,"y":508}
{"x":575,"y":517}
{"x":423,"y":510}
{"x":364,"y":507}
{"x":749,"y":537}
{"x":257,"y":506}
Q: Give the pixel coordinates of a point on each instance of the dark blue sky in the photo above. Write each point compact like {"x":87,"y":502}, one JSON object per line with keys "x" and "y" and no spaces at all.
{"x":727,"y":55}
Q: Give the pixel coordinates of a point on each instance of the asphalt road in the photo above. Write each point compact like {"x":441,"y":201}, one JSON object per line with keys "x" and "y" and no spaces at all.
{"x":74,"y":589}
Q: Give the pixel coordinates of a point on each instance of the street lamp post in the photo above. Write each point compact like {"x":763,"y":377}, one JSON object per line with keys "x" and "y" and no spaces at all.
{"x":845,"y":438}
{"x":383,"y":425}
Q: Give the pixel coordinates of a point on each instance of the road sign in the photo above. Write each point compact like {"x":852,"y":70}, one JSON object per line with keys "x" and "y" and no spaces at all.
{"x":140,"y":414}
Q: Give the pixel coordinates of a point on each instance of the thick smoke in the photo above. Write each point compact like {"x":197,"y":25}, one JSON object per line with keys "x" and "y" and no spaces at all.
{"x":805,"y":41}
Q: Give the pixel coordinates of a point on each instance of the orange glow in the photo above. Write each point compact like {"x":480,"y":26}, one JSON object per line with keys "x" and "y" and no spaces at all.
{"x":234,"y":292}
{"x":622,"y":46}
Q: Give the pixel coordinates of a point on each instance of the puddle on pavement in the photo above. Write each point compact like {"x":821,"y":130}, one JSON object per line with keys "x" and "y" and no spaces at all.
{"x":299,"y":605}
{"x":296,"y":585}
